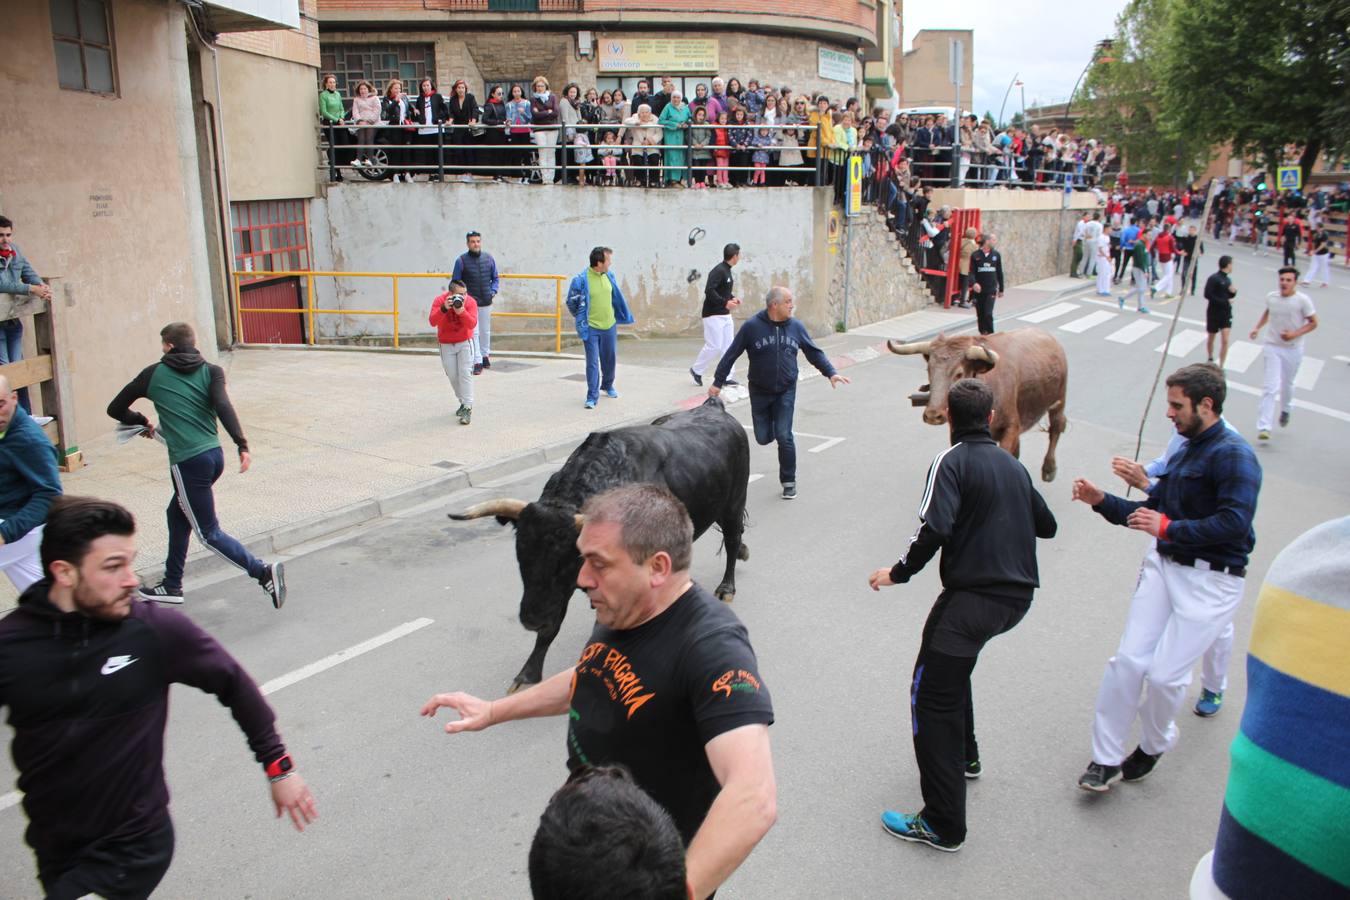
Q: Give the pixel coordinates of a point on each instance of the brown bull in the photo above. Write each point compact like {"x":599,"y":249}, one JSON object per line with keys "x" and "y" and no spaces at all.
{"x":1025,"y":368}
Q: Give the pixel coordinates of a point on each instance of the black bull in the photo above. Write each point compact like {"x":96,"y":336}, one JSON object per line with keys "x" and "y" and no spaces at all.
{"x":702,"y":456}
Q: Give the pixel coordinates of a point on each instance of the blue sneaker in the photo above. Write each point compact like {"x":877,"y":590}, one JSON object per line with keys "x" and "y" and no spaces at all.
{"x":914,"y":828}
{"x":1208,"y":704}
{"x":1121,"y":301}
{"x":590,"y":404}
{"x":612,"y":394}
{"x":1143,"y":309}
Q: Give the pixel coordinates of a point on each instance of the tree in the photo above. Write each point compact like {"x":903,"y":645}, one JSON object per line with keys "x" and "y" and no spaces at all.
{"x":1259,"y":74}
{"x":1121,"y":102}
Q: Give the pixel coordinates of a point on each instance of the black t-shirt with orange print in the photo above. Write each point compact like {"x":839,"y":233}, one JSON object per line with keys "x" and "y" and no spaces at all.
{"x":651,"y":697}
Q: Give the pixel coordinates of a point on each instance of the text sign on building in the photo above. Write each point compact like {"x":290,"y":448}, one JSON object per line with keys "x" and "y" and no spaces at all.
{"x":834,"y":66}
{"x":658,"y":55}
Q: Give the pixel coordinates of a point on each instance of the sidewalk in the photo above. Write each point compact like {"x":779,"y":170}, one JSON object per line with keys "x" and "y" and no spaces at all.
{"x":342,"y":437}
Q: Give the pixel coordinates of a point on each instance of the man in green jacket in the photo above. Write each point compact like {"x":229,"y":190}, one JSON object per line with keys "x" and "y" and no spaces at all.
{"x":1139,"y":264}
{"x":189,"y":393}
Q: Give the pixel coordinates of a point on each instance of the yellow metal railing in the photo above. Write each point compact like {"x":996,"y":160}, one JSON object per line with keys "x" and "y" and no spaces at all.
{"x":309,"y":311}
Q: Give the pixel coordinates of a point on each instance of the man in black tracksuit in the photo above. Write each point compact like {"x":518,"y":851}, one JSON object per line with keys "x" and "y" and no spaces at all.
{"x":980,"y":508}
{"x":1290,"y":235}
{"x":986,"y":265}
{"x":85,"y":669}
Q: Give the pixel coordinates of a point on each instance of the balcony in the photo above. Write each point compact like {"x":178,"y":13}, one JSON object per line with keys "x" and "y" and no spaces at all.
{"x":507,"y":5}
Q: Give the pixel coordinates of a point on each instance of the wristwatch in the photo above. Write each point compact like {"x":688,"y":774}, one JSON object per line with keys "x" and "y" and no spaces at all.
{"x":280,"y":768}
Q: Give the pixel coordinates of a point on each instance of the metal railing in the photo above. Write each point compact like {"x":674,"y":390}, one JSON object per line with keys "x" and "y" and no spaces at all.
{"x":308,"y":311}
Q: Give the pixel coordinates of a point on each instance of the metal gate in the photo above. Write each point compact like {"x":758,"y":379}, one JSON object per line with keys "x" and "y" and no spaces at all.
{"x":270,"y":327}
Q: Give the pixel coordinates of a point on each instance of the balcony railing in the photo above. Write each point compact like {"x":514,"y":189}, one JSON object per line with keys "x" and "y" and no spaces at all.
{"x":507,"y":5}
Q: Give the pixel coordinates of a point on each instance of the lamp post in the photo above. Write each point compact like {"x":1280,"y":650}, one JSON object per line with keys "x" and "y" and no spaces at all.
{"x":1011,"y":85}
{"x":1098,"y":56}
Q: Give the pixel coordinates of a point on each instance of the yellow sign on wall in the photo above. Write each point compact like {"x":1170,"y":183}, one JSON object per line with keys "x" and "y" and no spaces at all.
{"x":855,"y":180}
{"x":658,"y":55}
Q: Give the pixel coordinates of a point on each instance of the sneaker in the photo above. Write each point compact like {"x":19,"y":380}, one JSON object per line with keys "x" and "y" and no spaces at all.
{"x":459,"y":412}
{"x":1121,"y":300}
{"x":1144,"y":310}
{"x":973,"y":769}
{"x":1098,"y":777}
{"x":487,"y":363}
{"x":790,"y":491}
{"x":478,"y":368}
{"x":590,"y":404}
{"x":1208,"y":704}
{"x":612,"y":394}
{"x":273,"y":581}
{"x":914,"y":828}
{"x":1138,"y":764}
{"x":161,"y":593}
{"x":698,"y":379}
{"x":1284,"y":420}
{"x":466,"y":415}
{"x":1263,"y":435}
{"x":358,"y":163}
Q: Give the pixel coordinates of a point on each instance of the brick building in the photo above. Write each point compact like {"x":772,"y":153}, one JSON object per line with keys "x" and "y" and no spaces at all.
{"x":843,"y":48}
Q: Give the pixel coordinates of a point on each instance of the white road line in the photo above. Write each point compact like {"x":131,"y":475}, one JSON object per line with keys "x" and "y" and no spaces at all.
{"x":1050,"y":312}
{"x":755,"y":477}
{"x":1344,"y":359}
{"x":1091,"y":320}
{"x":343,"y":656}
{"x":1301,"y":404}
{"x":1156,"y":313}
{"x":13,"y":798}
{"x":1133,"y":331}
{"x":1241,"y":355}
{"x":825,"y":446}
{"x":1183,"y":342}
{"x":1307,"y":373}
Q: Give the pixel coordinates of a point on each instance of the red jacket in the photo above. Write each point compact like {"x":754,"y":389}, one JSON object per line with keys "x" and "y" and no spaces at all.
{"x":452,"y":327}
{"x":1166,"y":246}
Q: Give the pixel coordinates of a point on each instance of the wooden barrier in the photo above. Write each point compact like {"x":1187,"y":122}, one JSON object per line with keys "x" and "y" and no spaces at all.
{"x":47,"y":371}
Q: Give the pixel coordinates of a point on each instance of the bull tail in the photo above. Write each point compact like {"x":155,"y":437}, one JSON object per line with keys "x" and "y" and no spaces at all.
{"x":715,"y":401}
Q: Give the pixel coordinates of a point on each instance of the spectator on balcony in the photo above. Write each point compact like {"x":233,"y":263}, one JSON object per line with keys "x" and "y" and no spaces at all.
{"x":544,"y":114}
{"x":591,"y":113}
{"x":396,"y":110}
{"x":845,"y":140}
{"x":518,"y":118}
{"x":430,"y":111}
{"x":609,"y":152}
{"x":569,"y":112}
{"x":736,"y":91}
{"x":700,"y":100}
{"x":674,"y":121}
{"x":721,"y":151}
{"x":618,"y":108}
{"x":740,"y":138}
{"x":608,"y":115}
{"x":661,"y":99}
{"x":331,"y":115}
{"x":366,"y":115}
{"x":985,"y":154}
{"x":701,"y":138}
{"x":821,"y":124}
{"x":646,"y":135}
{"x":754,"y":101}
{"x":968,"y":156}
{"x":464,"y":113}
{"x":642,"y":96}
{"x":921,"y":141}
{"x":17,"y":277}
{"x":717,"y":100}
{"x":494,"y":120}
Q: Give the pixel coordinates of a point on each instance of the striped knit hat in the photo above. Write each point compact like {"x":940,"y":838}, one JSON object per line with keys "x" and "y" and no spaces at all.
{"x":1285,"y":826}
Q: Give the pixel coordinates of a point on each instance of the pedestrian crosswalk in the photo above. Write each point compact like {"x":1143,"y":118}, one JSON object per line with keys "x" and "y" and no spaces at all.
{"x":1129,"y":327}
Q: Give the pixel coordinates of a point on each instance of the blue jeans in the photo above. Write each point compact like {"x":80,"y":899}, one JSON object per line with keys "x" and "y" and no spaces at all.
{"x":772,"y":415}
{"x":11,"y":351}
{"x":193,"y":509}
{"x":601,"y":348}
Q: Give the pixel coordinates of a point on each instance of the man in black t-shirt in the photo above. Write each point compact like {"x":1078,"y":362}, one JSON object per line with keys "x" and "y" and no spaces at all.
{"x":1219,"y":294}
{"x":668,"y":685}
{"x":719,"y":299}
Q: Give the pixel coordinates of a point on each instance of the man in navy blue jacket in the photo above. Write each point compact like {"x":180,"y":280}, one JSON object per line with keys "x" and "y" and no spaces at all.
{"x":29,"y":482}
{"x":772,"y":338}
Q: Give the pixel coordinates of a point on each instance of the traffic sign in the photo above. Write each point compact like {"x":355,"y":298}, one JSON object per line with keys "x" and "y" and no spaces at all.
{"x":1289,"y":178}
{"x":853,"y":205}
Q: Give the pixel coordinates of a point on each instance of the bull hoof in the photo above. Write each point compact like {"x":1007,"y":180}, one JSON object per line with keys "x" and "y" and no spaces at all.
{"x":1048,"y":473}
{"x":519,"y":685}
{"x":743,"y":554}
{"x":726,"y":596}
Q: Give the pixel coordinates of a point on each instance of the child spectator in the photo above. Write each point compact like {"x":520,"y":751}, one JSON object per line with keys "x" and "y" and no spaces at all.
{"x":754,"y":101}
{"x":722,"y":153}
{"x":701,"y":137}
{"x":581,"y":154}
{"x":741,"y":140}
{"x":868,"y":170}
{"x":762,"y":141}
{"x":609,"y":151}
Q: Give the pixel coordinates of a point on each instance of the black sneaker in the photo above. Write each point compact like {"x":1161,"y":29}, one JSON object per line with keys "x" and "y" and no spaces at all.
{"x":731,"y":382}
{"x":273,"y":581}
{"x":161,"y":593}
{"x":698,"y":379}
{"x":1098,"y":777}
{"x":973,"y":769}
{"x":478,"y":368}
{"x":790,"y":491}
{"x":1284,"y":420}
{"x":487,"y":363}
{"x":1138,"y":764}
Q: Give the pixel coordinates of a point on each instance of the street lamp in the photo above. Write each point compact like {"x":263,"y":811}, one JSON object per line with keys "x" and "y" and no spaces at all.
{"x":1011,"y":85}
{"x":1098,"y":56}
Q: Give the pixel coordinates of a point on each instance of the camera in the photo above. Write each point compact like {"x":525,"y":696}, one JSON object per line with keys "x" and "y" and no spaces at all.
{"x":457,"y":301}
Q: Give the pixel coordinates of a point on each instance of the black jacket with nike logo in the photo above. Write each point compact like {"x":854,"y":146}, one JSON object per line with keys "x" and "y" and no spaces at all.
{"x":88,"y":700}
{"x":980,"y":507}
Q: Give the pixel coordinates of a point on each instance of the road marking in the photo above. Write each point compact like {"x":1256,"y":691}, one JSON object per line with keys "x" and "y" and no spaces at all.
{"x":1091,"y":320}
{"x":13,"y":798}
{"x":1344,"y":359}
{"x":1301,"y":404}
{"x":1133,"y":331}
{"x":827,"y":445}
{"x":1160,"y":315}
{"x":829,"y":439}
{"x":1183,"y":342}
{"x":343,"y":656}
{"x":753,"y":478}
{"x":1241,"y":355}
{"x":1050,"y":312}
{"x":1307,"y":373}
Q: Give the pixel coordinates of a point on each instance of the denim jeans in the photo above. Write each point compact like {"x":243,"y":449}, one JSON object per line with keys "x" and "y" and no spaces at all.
{"x":601,"y":348}
{"x":193,"y":509}
{"x":11,"y":351}
{"x":772,"y":415}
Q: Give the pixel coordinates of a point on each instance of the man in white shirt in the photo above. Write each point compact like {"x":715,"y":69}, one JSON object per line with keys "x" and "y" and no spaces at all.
{"x":1078,"y":254}
{"x":1291,"y":315}
{"x":1092,"y":230}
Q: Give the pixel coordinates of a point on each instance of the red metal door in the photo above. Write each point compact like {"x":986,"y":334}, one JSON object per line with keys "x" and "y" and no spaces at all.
{"x":272,"y":327}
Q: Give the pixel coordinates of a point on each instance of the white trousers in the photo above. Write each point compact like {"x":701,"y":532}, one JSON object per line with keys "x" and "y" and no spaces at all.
{"x":547,"y":140}
{"x":1320,"y":270}
{"x":21,"y":560}
{"x":457,"y":360}
{"x":1089,"y":263}
{"x":1214,"y":666}
{"x":718,"y":332}
{"x":1104,"y":272}
{"x":1175,"y":615}
{"x":1166,"y":271}
{"x":482,"y":335}
{"x":1281,"y":366}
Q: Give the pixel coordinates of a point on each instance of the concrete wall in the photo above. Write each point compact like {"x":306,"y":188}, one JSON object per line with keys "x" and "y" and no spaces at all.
{"x":105,"y":196}
{"x":270,"y":108}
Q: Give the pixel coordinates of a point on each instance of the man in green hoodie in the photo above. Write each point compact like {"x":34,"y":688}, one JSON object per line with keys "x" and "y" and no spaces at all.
{"x":189,"y":393}
{"x":29,"y":482}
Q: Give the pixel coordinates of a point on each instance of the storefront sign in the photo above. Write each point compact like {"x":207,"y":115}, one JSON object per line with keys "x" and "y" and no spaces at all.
{"x":658,"y":55}
{"x":834,"y":65}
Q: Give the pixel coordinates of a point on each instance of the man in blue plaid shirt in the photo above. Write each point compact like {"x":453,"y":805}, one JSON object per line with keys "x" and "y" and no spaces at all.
{"x":1191,"y":581}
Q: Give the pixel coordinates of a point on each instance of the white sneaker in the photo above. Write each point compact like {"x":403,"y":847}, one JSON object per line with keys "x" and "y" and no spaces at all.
{"x":467,"y":179}
{"x":356,"y":163}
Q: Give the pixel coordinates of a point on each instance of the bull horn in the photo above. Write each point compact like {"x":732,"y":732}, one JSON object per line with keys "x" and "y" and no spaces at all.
{"x":504,"y":507}
{"x":978,"y":353}
{"x":579,"y":519}
{"x":909,"y":349}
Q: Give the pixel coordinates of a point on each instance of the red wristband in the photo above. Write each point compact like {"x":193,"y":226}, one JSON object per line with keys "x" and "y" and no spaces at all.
{"x":280,"y":767}
{"x":1163,"y":522}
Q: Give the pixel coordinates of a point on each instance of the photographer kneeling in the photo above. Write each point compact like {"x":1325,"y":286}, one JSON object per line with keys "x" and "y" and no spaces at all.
{"x":455,"y":314}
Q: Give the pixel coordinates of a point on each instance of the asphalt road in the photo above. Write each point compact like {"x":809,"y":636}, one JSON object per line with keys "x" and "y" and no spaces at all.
{"x":408,"y":811}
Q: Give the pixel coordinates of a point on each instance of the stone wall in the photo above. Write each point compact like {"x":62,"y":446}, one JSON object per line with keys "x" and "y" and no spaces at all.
{"x":1035,"y":244}
{"x":882,"y":282}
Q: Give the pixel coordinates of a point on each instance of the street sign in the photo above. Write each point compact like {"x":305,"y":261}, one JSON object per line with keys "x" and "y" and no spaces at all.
{"x":832,"y":233}
{"x":1289,"y":178}
{"x":956,"y":60}
{"x":853,"y":204}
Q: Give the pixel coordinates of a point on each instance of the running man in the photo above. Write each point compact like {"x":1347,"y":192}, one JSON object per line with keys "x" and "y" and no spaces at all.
{"x":188,"y":394}
{"x":1219,"y":294}
{"x":1291,"y":315}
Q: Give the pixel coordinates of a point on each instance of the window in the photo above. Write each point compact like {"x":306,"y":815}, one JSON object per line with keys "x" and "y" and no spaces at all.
{"x":270,"y":236}
{"x":82,"y":36}
{"x":378,"y":64}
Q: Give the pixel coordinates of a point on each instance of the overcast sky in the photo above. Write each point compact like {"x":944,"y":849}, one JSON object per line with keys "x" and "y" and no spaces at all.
{"x":1046,"y":45}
